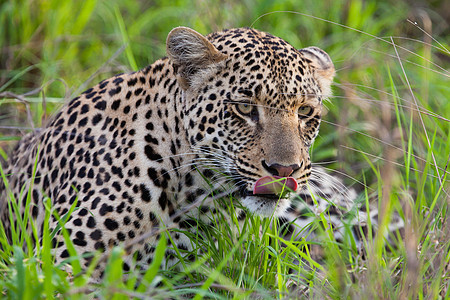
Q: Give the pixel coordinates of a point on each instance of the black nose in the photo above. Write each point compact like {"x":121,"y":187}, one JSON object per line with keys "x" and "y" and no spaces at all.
{"x":280,"y":170}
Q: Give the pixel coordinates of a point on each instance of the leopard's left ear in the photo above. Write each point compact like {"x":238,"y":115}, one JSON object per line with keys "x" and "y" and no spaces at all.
{"x":323,"y":65}
{"x":190,"y":52}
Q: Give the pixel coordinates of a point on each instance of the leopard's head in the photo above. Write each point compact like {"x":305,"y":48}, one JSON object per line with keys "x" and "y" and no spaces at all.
{"x":252,"y":106}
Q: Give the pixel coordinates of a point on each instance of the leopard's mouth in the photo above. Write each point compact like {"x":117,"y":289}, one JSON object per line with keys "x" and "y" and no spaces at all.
{"x":274,"y":185}
{"x":272,"y":201}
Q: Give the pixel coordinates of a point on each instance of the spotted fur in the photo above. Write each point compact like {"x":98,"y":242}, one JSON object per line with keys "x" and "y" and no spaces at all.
{"x":134,"y":151}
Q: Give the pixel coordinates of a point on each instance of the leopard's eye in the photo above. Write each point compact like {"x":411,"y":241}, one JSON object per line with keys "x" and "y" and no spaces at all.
{"x":304,"y":111}
{"x":244,"y":108}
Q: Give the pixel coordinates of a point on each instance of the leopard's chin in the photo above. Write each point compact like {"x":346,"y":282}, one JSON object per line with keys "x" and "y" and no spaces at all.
{"x":265,"y":205}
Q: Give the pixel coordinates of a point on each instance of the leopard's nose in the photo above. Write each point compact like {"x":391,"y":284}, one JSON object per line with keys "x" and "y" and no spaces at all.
{"x":281,"y":170}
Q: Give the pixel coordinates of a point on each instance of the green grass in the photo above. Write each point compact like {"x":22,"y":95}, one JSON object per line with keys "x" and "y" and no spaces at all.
{"x":387,"y":129}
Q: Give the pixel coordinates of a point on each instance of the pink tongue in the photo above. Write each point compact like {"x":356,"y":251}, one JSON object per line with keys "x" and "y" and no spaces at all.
{"x":266,"y":185}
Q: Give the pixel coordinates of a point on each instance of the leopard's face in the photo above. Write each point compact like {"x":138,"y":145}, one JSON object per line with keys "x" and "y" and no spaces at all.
{"x":255,"y":112}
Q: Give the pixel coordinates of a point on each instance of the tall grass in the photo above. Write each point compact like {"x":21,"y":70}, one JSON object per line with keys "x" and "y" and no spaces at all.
{"x":386,"y":131}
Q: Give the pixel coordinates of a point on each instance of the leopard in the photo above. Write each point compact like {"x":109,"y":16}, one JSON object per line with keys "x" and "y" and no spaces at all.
{"x":231,"y":113}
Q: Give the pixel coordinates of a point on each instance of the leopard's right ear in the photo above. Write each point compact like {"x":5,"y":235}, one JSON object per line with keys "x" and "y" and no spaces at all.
{"x":323,"y":66}
{"x":190,"y":52}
